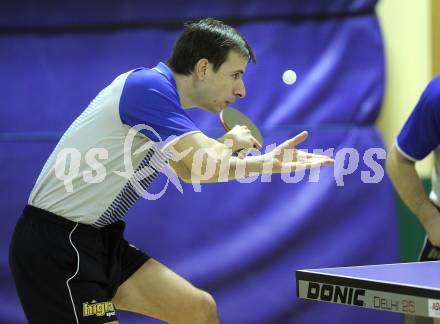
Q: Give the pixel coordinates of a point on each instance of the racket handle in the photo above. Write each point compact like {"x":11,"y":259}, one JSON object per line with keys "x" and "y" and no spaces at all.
{"x":429,"y":252}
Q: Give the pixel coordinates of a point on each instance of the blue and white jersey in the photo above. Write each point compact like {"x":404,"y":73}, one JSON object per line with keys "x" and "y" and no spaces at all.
{"x":421,"y":133}
{"x":101,"y":164}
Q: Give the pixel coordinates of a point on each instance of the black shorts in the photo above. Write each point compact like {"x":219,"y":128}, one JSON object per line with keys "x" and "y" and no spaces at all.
{"x":67,"y":272}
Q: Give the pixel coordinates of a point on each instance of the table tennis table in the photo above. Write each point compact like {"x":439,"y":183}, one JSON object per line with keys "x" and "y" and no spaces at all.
{"x":409,"y":288}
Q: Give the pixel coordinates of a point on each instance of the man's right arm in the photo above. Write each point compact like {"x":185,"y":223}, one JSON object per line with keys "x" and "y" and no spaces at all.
{"x":407,"y":183}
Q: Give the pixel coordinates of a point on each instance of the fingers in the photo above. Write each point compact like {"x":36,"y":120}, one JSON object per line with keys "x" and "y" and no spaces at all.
{"x":297,"y":166}
{"x":252,"y":142}
{"x":301,"y":155}
{"x":240,"y":126}
{"x":257,"y":144}
{"x":249,"y":142}
{"x":322,"y":160}
{"x":301,"y":137}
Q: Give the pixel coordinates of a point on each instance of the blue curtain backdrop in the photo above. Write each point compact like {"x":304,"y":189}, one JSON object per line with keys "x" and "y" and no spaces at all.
{"x":242,"y":242}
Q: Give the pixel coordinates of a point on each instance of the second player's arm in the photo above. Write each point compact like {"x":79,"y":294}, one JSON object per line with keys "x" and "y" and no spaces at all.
{"x":407,"y":183}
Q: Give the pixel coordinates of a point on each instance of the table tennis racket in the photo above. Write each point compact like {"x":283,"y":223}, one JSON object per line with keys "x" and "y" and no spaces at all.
{"x":429,"y":252}
{"x":231,"y":117}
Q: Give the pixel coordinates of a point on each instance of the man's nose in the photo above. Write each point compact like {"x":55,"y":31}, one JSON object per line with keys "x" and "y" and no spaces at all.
{"x":240,"y":90}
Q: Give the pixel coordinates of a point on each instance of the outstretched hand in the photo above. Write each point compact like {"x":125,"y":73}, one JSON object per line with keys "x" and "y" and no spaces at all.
{"x":286,"y":158}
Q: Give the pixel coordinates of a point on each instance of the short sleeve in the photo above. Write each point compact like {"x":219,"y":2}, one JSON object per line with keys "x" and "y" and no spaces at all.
{"x":421,"y":133}
{"x":148,"y":98}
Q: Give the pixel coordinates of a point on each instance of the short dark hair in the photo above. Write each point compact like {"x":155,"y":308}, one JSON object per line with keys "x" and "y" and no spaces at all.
{"x":206,"y":38}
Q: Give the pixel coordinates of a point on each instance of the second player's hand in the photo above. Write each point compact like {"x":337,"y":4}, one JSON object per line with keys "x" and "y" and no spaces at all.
{"x":432,"y":227}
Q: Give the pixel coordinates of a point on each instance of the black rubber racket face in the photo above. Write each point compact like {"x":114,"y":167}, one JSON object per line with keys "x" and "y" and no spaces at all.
{"x":429,"y":252}
{"x":231,"y":117}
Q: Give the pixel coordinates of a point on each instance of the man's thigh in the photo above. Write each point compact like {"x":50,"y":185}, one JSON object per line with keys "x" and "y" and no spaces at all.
{"x":155,"y":290}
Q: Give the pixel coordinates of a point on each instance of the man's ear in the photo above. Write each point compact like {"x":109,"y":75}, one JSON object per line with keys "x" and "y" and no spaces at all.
{"x":201,"y":68}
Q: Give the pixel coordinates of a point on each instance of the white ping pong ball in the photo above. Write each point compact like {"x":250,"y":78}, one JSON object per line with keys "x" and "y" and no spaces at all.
{"x":289,"y":77}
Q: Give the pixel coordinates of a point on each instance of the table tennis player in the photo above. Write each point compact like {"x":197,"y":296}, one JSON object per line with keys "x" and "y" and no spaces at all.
{"x":68,"y":255}
{"x":420,"y":136}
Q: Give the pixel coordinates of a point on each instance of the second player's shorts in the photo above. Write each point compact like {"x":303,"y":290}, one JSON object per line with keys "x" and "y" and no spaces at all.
{"x":67,"y":272}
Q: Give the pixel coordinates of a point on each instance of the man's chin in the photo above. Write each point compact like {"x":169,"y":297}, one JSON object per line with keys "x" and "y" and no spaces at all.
{"x":220,"y":109}
{"x":225,"y":106}
{"x":214,"y":110}
{"x":217,"y":109}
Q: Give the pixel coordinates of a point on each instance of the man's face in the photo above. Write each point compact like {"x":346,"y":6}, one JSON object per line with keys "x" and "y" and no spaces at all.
{"x":219,"y":89}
